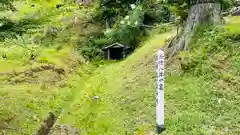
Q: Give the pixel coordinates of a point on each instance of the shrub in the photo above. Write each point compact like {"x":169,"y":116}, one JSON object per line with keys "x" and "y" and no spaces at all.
{"x":209,"y":48}
{"x":160,"y":13}
{"x":127,"y":30}
{"x":226,"y":4}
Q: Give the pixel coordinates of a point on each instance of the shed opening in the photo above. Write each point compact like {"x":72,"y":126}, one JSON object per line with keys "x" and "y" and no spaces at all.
{"x":116,"y":51}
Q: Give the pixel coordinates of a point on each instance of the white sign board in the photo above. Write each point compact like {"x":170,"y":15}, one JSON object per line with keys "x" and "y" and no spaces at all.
{"x":160,"y":91}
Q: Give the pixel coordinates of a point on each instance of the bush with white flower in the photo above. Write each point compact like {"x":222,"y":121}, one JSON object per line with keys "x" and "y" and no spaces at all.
{"x":127,"y":30}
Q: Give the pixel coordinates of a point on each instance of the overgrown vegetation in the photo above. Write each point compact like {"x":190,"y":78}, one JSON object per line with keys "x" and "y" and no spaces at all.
{"x":51,"y":60}
{"x":202,"y":88}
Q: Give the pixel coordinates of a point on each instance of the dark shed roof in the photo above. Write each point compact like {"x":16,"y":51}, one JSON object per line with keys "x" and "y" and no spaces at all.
{"x":115,"y":45}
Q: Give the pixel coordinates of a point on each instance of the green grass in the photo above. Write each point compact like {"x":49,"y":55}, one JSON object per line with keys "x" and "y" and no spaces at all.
{"x":202,"y":99}
{"x":199,"y":101}
{"x":24,"y":107}
{"x":108,"y":82}
{"x":26,"y":100}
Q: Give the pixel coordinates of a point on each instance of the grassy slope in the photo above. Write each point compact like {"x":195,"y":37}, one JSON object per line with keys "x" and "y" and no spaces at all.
{"x":112,"y":84}
{"x":126,"y":93}
{"x":26,"y":99}
{"x":194,"y":103}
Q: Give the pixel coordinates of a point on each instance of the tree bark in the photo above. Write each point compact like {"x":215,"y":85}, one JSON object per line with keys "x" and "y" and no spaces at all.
{"x":87,"y":2}
{"x":201,"y":11}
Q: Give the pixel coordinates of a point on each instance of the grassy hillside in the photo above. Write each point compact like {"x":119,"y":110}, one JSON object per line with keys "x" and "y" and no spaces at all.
{"x":202,"y":89}
{"x":30,"y":89}
{"x":35,"y":67}
{"x":202,"y":86}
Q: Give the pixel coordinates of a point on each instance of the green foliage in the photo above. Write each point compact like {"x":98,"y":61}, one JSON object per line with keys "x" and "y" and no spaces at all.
{"x":117,"y":96}
{"x":127,"y":29}
{"x":124,"y":22}
{"x":160,"y":12}
{"x":6,"y":5}
{"x":181,"y":7}
{"x":25,"y":21}
{"x":126,"y":87}
{"x":216,"y":44}
{"x":112,"y":8}
{"x":11,"y":29}
{"x":91,"y":52}
{"x":161,"y":28}
{"x":226,"y":4}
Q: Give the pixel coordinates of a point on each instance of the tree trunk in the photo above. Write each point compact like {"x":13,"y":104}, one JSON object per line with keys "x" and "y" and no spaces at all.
{"x":201,"y":11}
{"x":87,"y":2}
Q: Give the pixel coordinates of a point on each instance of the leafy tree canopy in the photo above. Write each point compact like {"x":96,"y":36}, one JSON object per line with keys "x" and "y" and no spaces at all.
{"x":6,"y":5}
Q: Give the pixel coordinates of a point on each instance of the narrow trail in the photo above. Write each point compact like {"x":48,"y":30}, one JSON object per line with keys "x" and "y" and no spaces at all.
{"x":64,"y":124}
{"x":108,"y":92}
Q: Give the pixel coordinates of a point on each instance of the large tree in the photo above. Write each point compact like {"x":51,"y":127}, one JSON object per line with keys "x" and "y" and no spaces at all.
{"x":200,"y":11}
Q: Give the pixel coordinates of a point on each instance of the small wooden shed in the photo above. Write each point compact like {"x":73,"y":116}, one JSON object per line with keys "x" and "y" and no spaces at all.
{"x":116,"y":51}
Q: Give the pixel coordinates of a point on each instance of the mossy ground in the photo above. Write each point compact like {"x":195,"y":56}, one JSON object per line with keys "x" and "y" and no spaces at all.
{"x":200,"y":99}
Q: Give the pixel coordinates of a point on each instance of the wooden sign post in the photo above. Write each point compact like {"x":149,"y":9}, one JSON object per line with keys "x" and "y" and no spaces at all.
{"x":160,"y":92}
